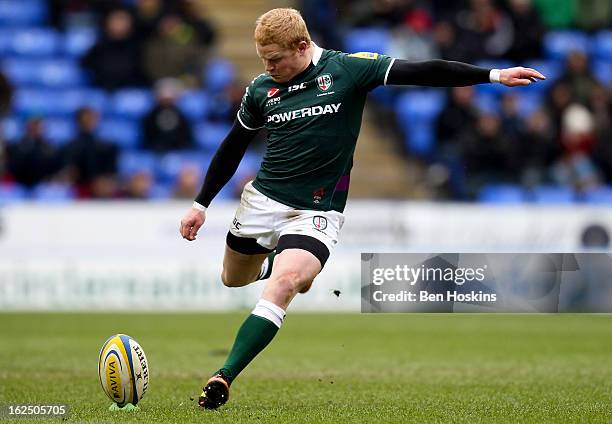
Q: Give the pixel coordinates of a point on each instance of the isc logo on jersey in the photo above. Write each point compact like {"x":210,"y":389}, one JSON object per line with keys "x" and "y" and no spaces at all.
{"x":123,"y":370}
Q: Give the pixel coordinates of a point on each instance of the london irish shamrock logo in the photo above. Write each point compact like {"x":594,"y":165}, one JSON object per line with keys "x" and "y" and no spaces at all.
{"x":325,"y":82}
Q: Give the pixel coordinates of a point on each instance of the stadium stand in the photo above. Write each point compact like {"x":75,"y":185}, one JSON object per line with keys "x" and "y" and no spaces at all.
{"x":43,"y":64}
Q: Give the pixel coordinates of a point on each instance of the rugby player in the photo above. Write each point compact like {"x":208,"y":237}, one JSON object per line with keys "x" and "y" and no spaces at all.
{"x":310,"y":100}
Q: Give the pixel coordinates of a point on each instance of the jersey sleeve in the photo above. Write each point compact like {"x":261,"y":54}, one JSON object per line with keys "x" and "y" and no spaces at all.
{"x":249,"y":114}
{"x":369,"y":70}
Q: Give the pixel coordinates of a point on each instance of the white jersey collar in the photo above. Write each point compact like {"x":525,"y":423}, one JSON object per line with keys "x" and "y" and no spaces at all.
{"x":318,"y":51}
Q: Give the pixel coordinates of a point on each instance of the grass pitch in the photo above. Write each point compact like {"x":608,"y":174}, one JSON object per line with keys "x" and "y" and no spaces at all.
{"x":325,"y":368}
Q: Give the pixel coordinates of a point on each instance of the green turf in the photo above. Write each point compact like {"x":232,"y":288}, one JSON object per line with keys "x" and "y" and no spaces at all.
{"x":326,"y":368}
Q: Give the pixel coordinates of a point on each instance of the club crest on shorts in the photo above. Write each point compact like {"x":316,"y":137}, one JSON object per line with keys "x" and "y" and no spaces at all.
{"x":325,"y":82}
{"x":319,"y":222}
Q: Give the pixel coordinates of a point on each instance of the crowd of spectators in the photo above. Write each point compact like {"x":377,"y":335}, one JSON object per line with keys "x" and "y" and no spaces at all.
{"x":142,"y":46}
{"x":566,"y":140}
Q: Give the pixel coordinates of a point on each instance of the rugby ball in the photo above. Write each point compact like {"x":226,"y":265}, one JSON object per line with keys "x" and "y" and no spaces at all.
{"x":123,"y":370}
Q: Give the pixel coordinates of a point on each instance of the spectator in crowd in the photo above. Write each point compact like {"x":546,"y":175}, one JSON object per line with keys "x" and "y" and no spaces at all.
{"x":139,"y":185}
{"x":3,"y":173}
{"x":6,"y":94}
{"x":175,"y":50}
{"x":148,"y":13}
{"x":594,"y":14}
{"x":557,"y":13}
{"x":559,"y":98}
{"x":115,"y":60}
{"x":33,"y":159}
{"x":576,"y":168}
{"x":445,"y":36}
{"x":490,"y":155}
{"x":539,"y":149}
{"x":458,"y":114}
{"x":485,"y":31}
{"x":579,"y":77}
{"x":192,"y":13}
{"x":387,"y":13}
{"x":64,"y":13}
{"x":165,"y":128}
{"x":225,"y":105}
{"x":321,"y":16}
{"x":512,"y":123}
{"x":528,"y":31}
{"x":91,"y":164}
{"x":413,"y":40}
{"x":601,"y":106}
{"x":188,"y":182}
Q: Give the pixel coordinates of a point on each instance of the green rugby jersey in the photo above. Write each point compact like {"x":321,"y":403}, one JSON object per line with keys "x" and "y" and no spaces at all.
{"x":313,"y":122}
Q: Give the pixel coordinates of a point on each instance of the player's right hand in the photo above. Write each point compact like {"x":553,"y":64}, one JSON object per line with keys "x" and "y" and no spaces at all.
{"x":191,"y":223}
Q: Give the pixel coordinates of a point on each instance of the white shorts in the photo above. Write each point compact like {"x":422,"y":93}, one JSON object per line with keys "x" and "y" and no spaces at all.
{"x":266,"y":220}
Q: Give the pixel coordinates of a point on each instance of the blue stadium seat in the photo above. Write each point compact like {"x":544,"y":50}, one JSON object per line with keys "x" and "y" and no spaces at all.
{"x":602,"y":45}
{"x":602,"y":69}
{"x":49,"y":102}
{"x":558,"y":44}
{"x":161,"y":192}
{"x":131,"y":103}
{"x":6,"y":38}
{"x":12,"y":129}
{"x":134,"y":161}
{"x":218,"y":74}
{"x":209,"y":135}
{"x":59,"y":130}
{"x":599,"y":196}
{"x":416,"y":111}
{"x":487,"y":102}
{"x":35,"y":42}
{"x":11,"y":193}
{"x":375,"y":40}
{"x":43,"y":72}
{"x":122,"y":132}
{"x":386,"y":95}
{"x":529,"y":102}
{"x":249,"y":165}
{"x":553,"y":194}
{"x":170,"y":164}
{"x":53,"y":192}
{"x":78,"y":40}
{"x":501,"y":193}
{"x":194,"y":104}
{"x":22,"y":12}
{"x":38,"y":102}
{"x":21,"y":71}
{"x":229,"y":191}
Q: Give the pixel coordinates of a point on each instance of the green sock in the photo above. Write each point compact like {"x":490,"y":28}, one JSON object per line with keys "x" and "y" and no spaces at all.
{"x":254,"y":335}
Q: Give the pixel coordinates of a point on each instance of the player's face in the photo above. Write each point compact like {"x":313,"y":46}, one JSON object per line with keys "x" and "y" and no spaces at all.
{"x":281,"y":63}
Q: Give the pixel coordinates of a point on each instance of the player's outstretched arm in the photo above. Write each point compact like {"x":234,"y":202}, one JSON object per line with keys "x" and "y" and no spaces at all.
{"x":444,"y":73}
{"x":221,"y":169}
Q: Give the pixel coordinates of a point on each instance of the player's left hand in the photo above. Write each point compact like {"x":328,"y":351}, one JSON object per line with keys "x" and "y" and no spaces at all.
{"x":191,"y":223}
{"x":512,"y":77}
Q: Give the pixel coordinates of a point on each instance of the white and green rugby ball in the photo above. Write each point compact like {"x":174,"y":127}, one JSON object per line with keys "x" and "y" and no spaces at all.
{"x":123,"y":370}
